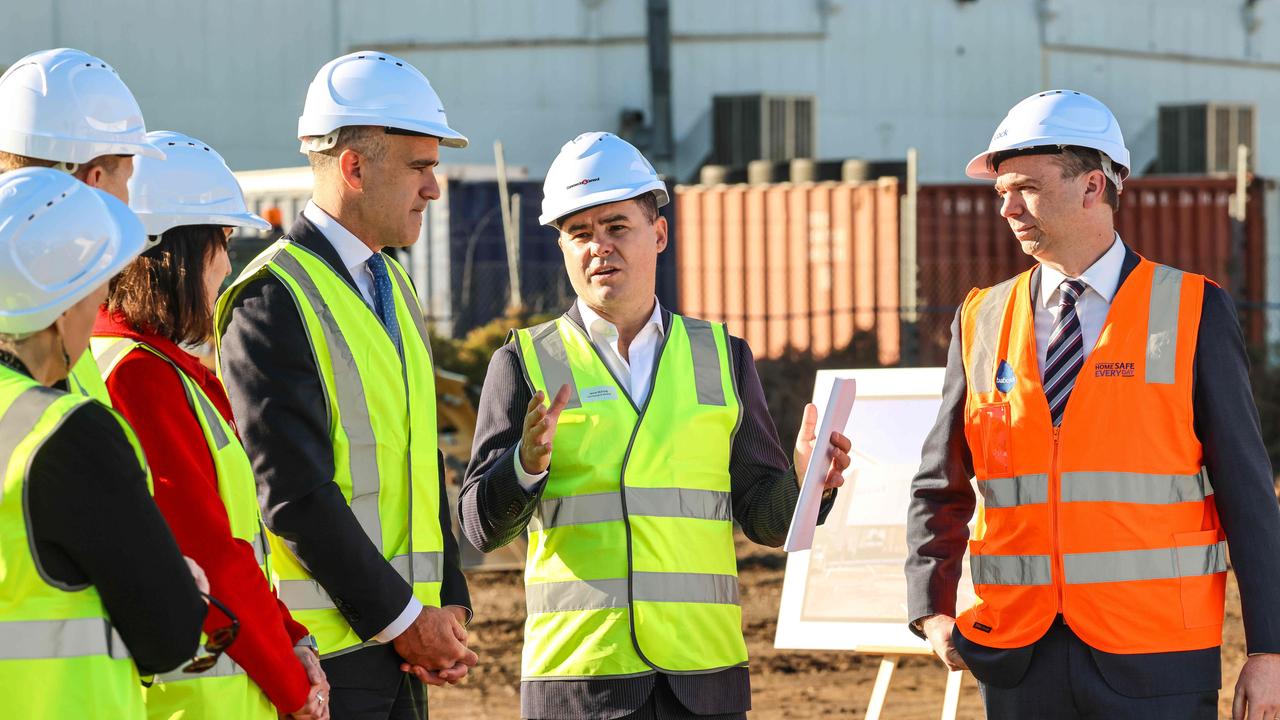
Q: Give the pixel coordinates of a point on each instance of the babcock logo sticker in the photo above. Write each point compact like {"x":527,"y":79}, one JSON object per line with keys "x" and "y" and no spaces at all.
{"x":1004,"y":377}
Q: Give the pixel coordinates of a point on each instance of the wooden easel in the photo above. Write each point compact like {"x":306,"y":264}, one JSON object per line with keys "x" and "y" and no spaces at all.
{"x":888,"y":663}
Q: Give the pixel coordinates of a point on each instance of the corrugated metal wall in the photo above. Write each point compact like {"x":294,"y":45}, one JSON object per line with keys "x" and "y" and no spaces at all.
{"x":802,"y":267}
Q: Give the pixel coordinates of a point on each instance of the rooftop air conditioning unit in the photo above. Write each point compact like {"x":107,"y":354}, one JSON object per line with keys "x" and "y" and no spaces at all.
{"x":762,"y":127}
{"x":1201,"y":139}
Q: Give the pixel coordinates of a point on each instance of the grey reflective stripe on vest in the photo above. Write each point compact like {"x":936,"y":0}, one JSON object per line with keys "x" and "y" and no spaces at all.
{"x":553,"y":360}
{"x":308,"y":595}
{"x":18,"y":420}
{"x":199,"y":403}
{"x":1141,"y":488}
{"x":1130,"y":565}
{"x":50,"y":639}
{"x":223,"y":667}
{"x":353,"y":413}
{"x":679,"y":503}
{"x":685,"y":587}
{"x":986,"y":335}
{"x":1011,"y":569}
{"x":706,"y":361}
{"x":415,"y":310}
{"x":576,"y":510}
{"x":576,"y":595}
{"x":426,"y":566}
{"x":641,"y":501}
{"x":1013,"y":491}
{"x":1162,"y":325}
{"x":115,"y":350}
{"x":573,"y":595}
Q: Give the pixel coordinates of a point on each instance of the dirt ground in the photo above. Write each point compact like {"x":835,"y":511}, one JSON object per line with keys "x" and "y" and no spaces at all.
{"x":785,"y":684}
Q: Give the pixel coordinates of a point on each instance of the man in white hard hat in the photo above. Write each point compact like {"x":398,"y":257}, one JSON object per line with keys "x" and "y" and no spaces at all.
{"x":69,"y":110}
{"x":661,"y":438}
{"x":1102,"y":403}
{"x":325,"y":356}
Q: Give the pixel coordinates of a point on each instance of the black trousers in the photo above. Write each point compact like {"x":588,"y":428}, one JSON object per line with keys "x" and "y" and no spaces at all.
{"x":367,"y":685}
{"x":1062,"y":682}
{"x":664,"y":705}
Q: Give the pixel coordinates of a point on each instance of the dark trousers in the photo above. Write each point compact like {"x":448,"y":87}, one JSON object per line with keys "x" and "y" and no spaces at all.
{"x":1063,"y":682}
{"x":664,"y":705}
{"x":367,"y":685}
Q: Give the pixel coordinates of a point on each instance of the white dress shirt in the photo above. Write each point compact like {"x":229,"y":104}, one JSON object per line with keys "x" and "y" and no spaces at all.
{"x":1101,"y":280}
{"x":351,"y":249}
{"x":355,"y":255}
{"x":634,"y":372}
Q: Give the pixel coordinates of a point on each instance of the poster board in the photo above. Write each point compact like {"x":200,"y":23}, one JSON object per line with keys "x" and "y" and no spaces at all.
{"x":849,"y":591}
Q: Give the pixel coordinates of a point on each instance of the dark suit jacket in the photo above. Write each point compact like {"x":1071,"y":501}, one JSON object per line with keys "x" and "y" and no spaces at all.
{"x":1226,"y":422}
{"x":494,"y":509}
{"x":276,"y":393}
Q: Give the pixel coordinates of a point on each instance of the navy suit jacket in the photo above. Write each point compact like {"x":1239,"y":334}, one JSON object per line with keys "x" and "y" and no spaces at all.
{"x":1226,"y":423}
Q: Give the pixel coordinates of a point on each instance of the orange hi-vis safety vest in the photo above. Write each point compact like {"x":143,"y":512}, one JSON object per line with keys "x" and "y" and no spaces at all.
{"x":1108,"y":519}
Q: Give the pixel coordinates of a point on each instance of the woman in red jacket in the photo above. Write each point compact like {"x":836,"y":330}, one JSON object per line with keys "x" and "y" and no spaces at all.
{"x":204,"y":484}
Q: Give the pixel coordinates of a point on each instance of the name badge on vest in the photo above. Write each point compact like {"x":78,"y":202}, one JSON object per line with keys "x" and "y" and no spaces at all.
{"x":599,"y":394}
{"x":1004,"y":377}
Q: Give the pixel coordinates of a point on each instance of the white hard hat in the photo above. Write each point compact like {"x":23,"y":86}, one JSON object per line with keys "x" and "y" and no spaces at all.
{"x":68,"y":106}
{"x":191,"y":186}
{"x":59,"y":240}
{"x":593,"y":169}
{"x":1058,"y":118}
{"x":372,"y":88}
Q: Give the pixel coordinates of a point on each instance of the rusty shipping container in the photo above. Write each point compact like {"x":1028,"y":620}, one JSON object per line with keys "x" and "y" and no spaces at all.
{"x":793,"y":266}
{"x":1180,"y":221}
{"x":814,"y":266}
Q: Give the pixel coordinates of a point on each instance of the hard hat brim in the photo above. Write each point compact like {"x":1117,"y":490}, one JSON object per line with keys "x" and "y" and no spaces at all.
{"x":159,"y":223}
{"x":61,"y":149}
{"x":979,"y":168}
{"x":316,"y":126}
{"x":604,"y":197}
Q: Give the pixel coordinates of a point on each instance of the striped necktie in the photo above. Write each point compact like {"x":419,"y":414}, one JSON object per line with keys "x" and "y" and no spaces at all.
{"x":1065,"y":355}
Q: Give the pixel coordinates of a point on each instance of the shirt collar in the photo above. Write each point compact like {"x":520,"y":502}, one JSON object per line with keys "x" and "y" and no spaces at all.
{"x":598,"y":327}
{"x":1103,"y":276}
{"x":351,"y":250}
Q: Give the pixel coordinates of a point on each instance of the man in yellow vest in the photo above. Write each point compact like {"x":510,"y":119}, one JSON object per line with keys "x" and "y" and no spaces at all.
{"x":628,"y":481}
{"x":324,"y":352}
{"x":69,"y":110}
{"x":1102,"y":403}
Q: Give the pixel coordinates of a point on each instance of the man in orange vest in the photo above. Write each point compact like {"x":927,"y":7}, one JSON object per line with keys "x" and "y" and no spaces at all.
{"x":1102,"y":403}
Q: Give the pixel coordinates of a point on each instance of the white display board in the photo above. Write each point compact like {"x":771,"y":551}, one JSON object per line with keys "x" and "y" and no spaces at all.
{"x":849,"y":591}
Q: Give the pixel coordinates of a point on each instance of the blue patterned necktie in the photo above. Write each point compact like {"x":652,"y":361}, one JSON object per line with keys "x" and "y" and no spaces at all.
{"x":383,"y":300}
{"x":1065,"y":355}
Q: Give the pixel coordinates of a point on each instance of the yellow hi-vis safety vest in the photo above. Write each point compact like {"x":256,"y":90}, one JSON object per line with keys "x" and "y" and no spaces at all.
{"x":383,"y":431}
{"x":59,"y":655}
{"x":631,"y":564}
{"x":224,"y":690}
{"x":85,"y":380}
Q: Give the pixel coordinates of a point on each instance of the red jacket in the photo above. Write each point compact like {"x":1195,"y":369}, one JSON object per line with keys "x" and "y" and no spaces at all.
{"x":146,"y":390}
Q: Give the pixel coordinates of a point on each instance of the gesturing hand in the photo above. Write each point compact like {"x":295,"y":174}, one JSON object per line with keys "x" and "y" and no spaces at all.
{"x":539,"y":429}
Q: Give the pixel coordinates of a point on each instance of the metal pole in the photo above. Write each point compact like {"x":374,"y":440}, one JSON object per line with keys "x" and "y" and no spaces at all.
{"x":508,"y":230}
{"x":661,"y":150}
{"x":908,"y":292}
